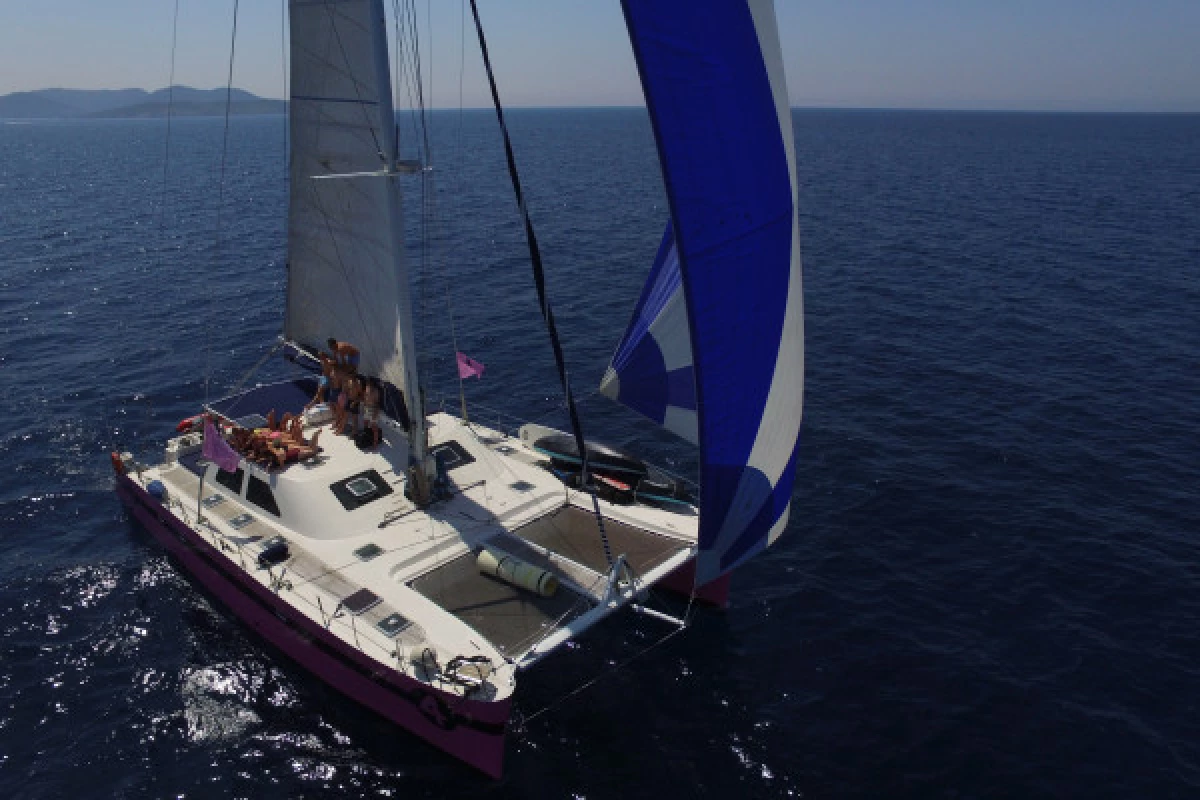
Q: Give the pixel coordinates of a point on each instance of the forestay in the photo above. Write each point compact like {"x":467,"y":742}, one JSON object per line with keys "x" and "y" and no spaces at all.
{"x":712,"y":73}
{"x":345,"y":274}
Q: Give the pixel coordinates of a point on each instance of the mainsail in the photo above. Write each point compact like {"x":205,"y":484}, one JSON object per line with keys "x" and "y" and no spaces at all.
{"x":712,"y":73}
{"x":345,"y":272}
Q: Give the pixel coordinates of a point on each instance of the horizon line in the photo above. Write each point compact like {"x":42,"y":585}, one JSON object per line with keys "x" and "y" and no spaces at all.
{"x":598,"y":106}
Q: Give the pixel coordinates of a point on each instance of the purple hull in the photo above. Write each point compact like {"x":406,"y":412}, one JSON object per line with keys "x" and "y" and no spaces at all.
{"x":470,"y":730}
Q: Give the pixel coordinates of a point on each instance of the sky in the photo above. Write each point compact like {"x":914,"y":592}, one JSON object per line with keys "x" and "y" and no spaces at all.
{"x":1080,"y":55}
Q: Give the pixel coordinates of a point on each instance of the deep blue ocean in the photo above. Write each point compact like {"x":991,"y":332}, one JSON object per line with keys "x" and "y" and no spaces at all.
{"x":991,"y":584}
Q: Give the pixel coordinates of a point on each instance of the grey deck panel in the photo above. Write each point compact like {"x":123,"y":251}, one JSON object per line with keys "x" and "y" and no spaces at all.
{"x":512,"y":619}
{"x":573,"y":533}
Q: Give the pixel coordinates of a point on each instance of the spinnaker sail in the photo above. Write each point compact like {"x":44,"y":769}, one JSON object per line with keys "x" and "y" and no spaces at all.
{"x":712,"y":74}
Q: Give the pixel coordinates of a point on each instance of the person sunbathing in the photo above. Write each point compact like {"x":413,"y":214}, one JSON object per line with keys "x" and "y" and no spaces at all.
{"x":261,"y":449}
{"x":286,"y":450}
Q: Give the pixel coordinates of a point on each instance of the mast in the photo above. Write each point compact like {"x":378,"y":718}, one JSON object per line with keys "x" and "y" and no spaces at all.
{"x":423,"y":467}
{"x":346,"y":278}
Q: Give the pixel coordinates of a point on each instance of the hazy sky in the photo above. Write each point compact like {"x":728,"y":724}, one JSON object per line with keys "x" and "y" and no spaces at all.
{"x":995,"y":54}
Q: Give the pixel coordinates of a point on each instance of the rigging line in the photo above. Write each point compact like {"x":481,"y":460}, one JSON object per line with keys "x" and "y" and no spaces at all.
{"x":250,"y":373}
{"x":430,"y":48}
{"x":609,"y":672}
{"x":287,"y":99}
{"x":458,"y":173}
{"x":395,"y":81}
{"x":162,"y":212}
{"x":418,"y":79}
{"x":220,"y":199}
{"x":462,"y":63}
{"x":428,"y":224}
{"x":441,"y":253}
{"x":404,"y":70}
{"x":539,"y":279}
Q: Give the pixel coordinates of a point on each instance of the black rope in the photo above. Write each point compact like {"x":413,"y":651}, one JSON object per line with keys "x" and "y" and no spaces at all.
{"x":539,"y":279}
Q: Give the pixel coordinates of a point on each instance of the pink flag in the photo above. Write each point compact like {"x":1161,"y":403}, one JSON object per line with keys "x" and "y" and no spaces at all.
{"x":217,"y":450}
{"x":468,"y":367}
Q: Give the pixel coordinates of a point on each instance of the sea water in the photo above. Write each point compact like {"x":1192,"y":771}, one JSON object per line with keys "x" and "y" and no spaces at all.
{"x":989,"y":587}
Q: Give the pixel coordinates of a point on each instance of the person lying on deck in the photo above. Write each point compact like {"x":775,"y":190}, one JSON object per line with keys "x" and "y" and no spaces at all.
{"x":344,"y":354}
{"x":275,"y":448}
{"x":288,"y":449}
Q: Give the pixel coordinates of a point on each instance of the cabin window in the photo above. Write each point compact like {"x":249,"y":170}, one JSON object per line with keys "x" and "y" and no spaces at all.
{"x":231,"y":480}
{"x":358,"y":490}
{"x":259,"y":493}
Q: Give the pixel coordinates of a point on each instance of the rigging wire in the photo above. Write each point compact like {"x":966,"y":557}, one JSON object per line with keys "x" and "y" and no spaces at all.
{"x":220,"y":200}
{"x":162,"y":210}
{"x":162,"y":216}
{"x":615,"y":668}
{"x":539,"y":279}
{"x":287,"y":99}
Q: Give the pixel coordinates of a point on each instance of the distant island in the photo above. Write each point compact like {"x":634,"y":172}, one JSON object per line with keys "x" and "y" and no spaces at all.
{"x":132,"y":103}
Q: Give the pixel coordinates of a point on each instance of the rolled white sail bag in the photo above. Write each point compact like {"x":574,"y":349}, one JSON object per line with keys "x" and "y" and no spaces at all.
{"x":520,"y":574}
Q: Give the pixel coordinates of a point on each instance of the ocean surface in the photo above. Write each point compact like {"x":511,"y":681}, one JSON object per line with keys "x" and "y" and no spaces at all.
{"x":991,"y":583}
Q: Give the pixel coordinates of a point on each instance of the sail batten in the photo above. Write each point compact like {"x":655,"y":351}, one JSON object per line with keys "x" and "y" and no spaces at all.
{"x":712,"y":74}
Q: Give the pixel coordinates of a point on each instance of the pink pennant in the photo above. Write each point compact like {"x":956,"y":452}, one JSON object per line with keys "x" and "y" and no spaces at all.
{"x":468,"y":367}
{"x":217,"y":450}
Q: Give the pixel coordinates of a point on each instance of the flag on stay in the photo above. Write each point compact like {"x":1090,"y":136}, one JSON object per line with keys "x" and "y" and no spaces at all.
{"x":468,"y":367}
{"x":217,"y":450}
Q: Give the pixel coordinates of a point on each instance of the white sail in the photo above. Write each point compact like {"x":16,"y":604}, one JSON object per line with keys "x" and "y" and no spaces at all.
{"x":346,"y":278}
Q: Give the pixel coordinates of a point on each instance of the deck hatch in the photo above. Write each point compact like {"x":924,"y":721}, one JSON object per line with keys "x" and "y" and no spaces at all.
{"x":451,"y":455}
{"x":240,"y":521}
{"x":360,"y":601}
{"x":360,"y":489}
{"x":368,"y":551}
{"x":393,"y":624}
{"x":213,"y":500}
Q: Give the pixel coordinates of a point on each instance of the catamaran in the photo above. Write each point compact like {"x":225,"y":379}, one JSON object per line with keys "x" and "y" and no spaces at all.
{"x":425,"y":577}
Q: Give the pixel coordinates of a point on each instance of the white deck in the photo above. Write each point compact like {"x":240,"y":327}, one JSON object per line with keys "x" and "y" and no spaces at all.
{"x":425,"y":570}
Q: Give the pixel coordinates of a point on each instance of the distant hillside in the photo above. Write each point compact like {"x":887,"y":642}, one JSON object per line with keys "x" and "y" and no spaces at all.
{"x":131,"y":103}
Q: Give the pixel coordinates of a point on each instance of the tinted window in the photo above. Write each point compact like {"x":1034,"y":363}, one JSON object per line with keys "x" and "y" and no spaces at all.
{"x":260,"y":494}
{"x":231,"y":480}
